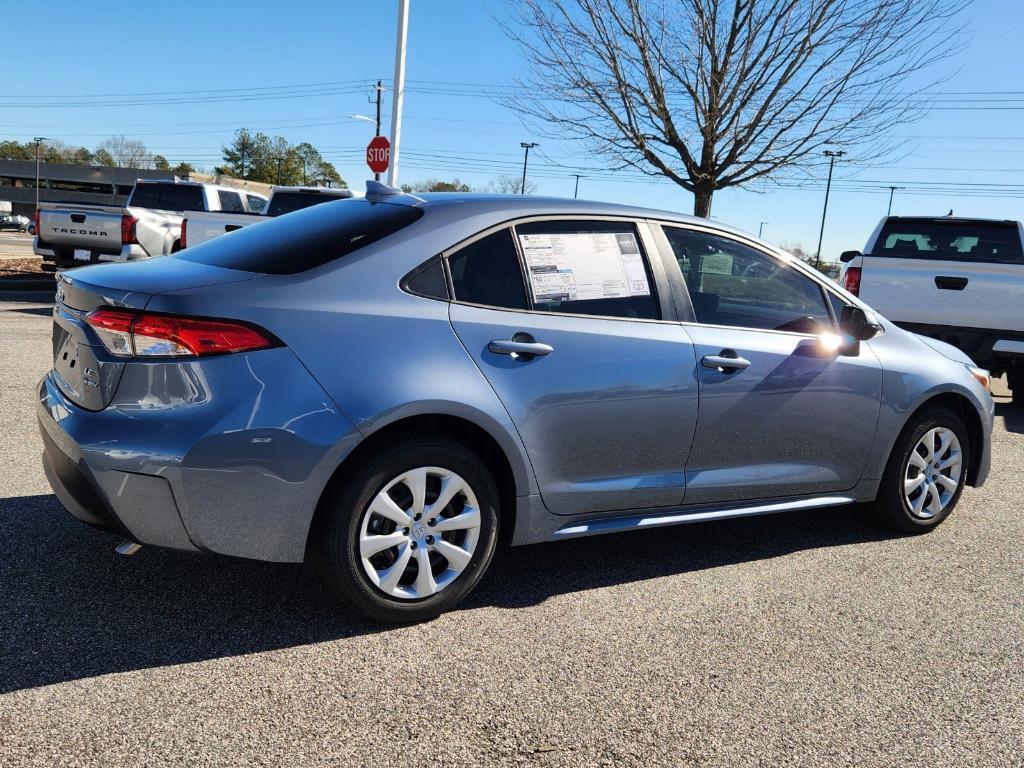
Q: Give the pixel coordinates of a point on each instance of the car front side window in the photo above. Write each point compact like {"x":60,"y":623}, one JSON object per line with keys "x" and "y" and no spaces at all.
{"x":734,"y":284}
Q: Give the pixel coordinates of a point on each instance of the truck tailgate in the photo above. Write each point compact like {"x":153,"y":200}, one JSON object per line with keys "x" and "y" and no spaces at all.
{"x":970,"y":294}
{"x":93,"y":229}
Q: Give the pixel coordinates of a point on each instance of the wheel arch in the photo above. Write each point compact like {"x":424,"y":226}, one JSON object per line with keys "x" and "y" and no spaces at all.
{"x":459,"y":428}
{"x":962,"y":406}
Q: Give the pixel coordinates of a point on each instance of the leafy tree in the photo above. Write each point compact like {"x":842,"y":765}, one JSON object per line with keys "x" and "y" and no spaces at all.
{"x":82,"y":156}
{"x":104,"y":158}
{"x":160,"y":163}
{"x":184,"y":169}
{"x":721,"y":93}
{"x":436,"y":185}
{"x":240,"y":155}
{"x":273,"y":160}
{"x":314,"y":169}
{"x":56,"y":151}
{"x":14,"y":150}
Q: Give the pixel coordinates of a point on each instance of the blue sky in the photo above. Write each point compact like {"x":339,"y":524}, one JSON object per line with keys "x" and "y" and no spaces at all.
{"x":102,"y":50}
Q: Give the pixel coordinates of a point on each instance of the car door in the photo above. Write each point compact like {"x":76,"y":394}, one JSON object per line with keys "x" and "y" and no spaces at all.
{"x":584,"y":354}
{"x":782,"y":412}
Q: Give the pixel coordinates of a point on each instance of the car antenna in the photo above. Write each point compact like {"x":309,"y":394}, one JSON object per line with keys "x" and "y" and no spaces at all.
{"x":378,"y":189}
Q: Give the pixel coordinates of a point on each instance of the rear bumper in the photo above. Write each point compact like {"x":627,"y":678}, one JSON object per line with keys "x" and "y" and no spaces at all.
{"x":137,"y":506}
{"x":227,"y":454}
{"x":993,"y":349}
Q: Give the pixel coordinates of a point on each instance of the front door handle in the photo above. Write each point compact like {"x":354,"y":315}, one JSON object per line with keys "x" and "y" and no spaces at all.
{"x":726,"y":362}
{"x":519,"y":347}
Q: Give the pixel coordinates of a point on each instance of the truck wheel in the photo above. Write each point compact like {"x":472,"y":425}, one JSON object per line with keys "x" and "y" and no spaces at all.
{"x":926,"y":472}
{"x":411,"y":532}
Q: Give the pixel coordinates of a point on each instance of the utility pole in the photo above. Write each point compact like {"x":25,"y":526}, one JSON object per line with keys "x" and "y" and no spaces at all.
{"x":380,"y":90}
{"x":892,"y":191}
{"x":37,"y":140}
{"x":831,"y":162}
{"x":760,"y":229}
{"x":399,"y":90}
{"x":280,"y":159}
{"x":527,"y":146}
{"x":576,"y":192}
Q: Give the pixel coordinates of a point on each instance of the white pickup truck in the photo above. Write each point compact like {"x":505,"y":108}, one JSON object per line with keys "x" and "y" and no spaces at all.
{"x":199,"y":227}
{"x":73,"y":234}
{"x":958,"y":280}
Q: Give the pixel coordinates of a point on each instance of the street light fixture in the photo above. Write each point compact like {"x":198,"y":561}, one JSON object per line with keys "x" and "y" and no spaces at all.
{"x":760,"y":229}
{"x":526,"y":146}
{"x":38,"y":140}
{"x":831,"y":162}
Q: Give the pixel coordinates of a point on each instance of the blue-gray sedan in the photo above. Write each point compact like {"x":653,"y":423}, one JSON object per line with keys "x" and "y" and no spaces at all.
{"x":380,"y":386}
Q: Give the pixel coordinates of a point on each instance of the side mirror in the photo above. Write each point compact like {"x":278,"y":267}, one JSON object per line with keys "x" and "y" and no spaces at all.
{"x":847,"y":256}
{"x":856,"y":326}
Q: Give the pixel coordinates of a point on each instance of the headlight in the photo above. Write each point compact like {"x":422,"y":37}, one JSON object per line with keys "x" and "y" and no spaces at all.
{"x":984,"y":377}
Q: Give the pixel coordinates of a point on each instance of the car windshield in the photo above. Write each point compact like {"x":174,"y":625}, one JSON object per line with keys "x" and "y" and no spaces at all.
{"x":306,"y":239}
{"x":950,"y":239}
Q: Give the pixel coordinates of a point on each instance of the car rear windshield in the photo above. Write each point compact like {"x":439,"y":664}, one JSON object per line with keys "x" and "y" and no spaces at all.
{"x":308,"y":238}
{"x":957,"y":240}
{"x":168,"y":197}
{"x":286,"y":202}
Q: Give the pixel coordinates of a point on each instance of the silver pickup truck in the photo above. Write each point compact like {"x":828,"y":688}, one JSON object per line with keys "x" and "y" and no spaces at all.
{"x":200,"y":227}
{"x":73,"y":234}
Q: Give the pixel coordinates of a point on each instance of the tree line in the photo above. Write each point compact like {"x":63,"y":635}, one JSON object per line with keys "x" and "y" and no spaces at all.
{"x":115,"y":152}
{"x":274,"y":160}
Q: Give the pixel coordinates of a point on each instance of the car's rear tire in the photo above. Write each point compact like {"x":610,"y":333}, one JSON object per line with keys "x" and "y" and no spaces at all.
{"x":383,"y":524}
{"x":922,"y":484}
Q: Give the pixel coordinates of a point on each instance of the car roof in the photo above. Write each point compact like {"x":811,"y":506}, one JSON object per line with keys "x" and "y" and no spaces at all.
{"x":509,"y":206}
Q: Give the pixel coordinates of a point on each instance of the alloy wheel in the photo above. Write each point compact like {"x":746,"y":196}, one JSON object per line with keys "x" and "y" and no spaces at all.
{"x":933,"y":473}
{"x":419,"y":533}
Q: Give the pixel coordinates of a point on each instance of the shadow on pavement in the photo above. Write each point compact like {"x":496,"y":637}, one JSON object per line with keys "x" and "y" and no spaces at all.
{"x":1012,"y":416}
{"x":71,"y":608}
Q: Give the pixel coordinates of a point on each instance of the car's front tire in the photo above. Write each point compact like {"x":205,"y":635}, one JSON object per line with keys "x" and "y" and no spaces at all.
{"x":411,"y":532}
{"x":926,"y":473}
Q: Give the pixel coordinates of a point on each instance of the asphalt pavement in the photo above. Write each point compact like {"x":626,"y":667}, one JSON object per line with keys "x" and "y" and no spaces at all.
{"x":811,"y":638}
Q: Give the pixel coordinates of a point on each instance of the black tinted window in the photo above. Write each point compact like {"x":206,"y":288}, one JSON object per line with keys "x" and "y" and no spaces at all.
{"x":230,"y":202}
{"x":309,"y":238}
{"x":168,"y":197}
{"x":588,"y":268}
{"x":256,"y":204}
{"x":950,"y":239}
{"x":734,"y":284}
{"x":487,"y":272}
{"x":286,"y":202}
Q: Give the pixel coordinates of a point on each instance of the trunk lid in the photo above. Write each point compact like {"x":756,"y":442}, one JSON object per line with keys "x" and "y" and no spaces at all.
{"x":83,"y":369}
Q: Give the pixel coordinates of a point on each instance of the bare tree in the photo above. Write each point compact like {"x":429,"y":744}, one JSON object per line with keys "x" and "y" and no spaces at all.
{"x":719,"y":93}
{"x":126,"y":153}
{"x":511,"y":185}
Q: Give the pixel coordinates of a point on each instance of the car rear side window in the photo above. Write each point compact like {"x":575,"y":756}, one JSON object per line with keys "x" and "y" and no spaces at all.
{"x":950,"y":239}
{"x":168,"y":197}
{"x":734,"y":284}
{"x":587,"y":268}
{"x":256,"y":204}
{"x":230,"y":202}
{"x":307,"y":239}
{"x":487,"y":272}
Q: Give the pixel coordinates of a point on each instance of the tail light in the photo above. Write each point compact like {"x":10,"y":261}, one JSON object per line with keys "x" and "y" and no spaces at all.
{"x":851,"y":281}
{"x":35,"y":220}
{"x":128,"y":223}
{"x":144,"y":334}
{"x":183,"y":240}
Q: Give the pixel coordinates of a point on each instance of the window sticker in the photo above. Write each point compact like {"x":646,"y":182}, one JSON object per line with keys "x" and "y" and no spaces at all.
{"x":583,"y":266}
{"x":716,"y":264}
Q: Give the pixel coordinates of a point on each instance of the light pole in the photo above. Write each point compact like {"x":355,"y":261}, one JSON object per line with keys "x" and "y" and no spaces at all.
{"x":37,"y":140}
{"x":576,"y":192}
{"x":892,"y":191}
{"x":526,"y":146}
{"x":831,"y":162}
{"x":760,"y":229}
{"x":399,"y":90}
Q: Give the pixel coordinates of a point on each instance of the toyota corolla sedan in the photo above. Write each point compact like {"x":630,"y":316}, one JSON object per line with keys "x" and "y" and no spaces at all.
{"x":382,"y":386}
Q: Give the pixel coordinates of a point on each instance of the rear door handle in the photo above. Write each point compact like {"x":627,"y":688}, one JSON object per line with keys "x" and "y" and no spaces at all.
{"x":948,"y":283}
{"x":520,"y":348}
{"x":727,"y":362}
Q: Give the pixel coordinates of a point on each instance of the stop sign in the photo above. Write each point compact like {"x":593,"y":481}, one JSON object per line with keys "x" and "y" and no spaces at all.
{"x":378,"y":154}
